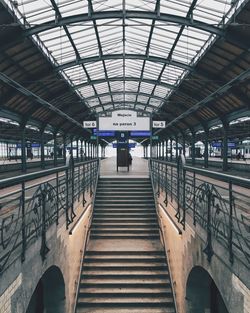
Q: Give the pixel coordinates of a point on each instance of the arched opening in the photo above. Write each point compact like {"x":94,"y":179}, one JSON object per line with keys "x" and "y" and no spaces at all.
{"x":49,"y":295}
{"x":202,"y":294}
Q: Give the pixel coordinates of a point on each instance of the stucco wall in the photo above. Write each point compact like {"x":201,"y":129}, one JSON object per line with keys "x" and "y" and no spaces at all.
{"x":185,"y":251}
{"x":19,"y":281}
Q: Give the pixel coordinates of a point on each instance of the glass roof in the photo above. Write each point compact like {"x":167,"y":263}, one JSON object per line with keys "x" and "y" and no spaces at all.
{"x":124,"y":53}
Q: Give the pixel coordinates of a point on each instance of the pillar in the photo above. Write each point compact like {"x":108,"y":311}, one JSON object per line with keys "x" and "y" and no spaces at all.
{"x":42,"y":149}
{"x":206,"y":144}
{"x":193,"y":148}
{"x":55,"y":149}
{"x":23,"y":149}
{"x":171,"y":149}
{"x":225,"y":147}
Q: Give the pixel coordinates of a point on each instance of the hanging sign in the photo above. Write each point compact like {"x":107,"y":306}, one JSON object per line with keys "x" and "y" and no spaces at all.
{"x":89,"y":124}
{"x":159,"y":124}
{"x":124,"y":120}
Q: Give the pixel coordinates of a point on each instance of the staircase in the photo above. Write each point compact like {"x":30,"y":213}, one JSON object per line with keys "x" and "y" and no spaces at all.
{"x":124,"y":268}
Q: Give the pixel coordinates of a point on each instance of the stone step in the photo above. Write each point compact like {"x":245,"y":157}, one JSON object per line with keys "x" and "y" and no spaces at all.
{"x":123,"y":236}
{"x":148,"y":309}
{"x":123,"y":294}
{"x":120,"y":225}
{"x":127,"y":220}
{"x":128,"y":210}
{"x":125,"y":267}
{"x":125,"y":285}
{"x":122,"y":259}
{"x":122,"y":280}
{"x":124,"y":231}
{"x":129,"y":254}
{"x":125,"y":290}
{"x":124,"y":214}
{"x":125,"y":301}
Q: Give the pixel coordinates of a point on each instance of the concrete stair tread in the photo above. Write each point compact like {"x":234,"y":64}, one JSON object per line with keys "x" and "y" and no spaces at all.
{"x":136,"y":272}
{"x":122,"y":253}
{"x":124,"y":262}
{"x":125,"y":310}
{"x":124,"y":236}
{"x":131,"y":279}
{"x":124,"y":290}
{"x":128,"y":300}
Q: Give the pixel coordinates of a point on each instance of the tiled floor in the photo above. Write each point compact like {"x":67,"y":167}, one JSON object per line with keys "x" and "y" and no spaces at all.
{"x":139,"y":168}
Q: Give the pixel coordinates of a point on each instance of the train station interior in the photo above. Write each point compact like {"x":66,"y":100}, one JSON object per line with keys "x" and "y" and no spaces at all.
{"x":124,"y":156}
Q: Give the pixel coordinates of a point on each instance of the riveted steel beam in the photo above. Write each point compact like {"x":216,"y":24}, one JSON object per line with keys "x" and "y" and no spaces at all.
{"x":128,"y":14}
{"x":120,"y":78}
{"x":127,"y":56}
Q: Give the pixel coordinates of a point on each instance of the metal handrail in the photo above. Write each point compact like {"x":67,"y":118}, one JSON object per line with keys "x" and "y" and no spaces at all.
{"x":87,"y":231}
{"x":162,"y":233}
{"x":7,"y":182}
{"x":220,"y":176}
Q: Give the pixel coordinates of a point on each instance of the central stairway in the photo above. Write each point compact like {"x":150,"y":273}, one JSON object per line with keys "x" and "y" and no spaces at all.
{"x":124,"y":269}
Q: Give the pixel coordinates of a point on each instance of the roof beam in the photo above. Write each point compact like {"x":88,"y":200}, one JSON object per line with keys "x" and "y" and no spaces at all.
{"x":219,"y":92}
{"x":127,"y":93}
{"x":127,"y":57}
{"x":114,"y":79}
{"x":128,"y":14}
{"x":7,"y":80}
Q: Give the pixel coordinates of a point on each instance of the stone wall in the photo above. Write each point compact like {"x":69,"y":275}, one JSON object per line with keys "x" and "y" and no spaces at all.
{"x":19,"y":281}
{"x":185,"y":252}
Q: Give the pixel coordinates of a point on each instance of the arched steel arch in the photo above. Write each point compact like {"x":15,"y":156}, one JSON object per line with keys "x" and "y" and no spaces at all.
{"x":126,"y":78}
{"x":128,"y":14}
{"x":127,"y":56}
{"x":127,"y":93}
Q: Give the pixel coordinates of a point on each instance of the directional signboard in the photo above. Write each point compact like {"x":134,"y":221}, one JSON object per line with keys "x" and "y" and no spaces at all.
{"x":159,"y":124}
{"x":89,"y":124}
{"x":124,"y":120}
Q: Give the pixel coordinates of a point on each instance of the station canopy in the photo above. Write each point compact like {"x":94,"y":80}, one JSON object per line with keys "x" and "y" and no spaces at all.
{"x":187,"y":62}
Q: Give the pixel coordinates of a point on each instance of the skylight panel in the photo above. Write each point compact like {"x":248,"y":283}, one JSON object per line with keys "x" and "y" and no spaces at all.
{"x":146,"y":88}
{"x":76,"y":74}
{"x":140,"y":5}
{"x":133,"y":68}
{"x":154,"y":102}
{"x":116,"y":86}
{"x":130,"y":98}
{"x":142,"y":99}
{"x":161,"y":91}
{"x":93,"y":102}
{"x":152,"y":70}
{"x":106,"y":5}
{"x":101,"y":88}
{"x":175,"y":7}
{"x":131,"y":86}
{"x":70,"y":8}
{"x":87,"y":91}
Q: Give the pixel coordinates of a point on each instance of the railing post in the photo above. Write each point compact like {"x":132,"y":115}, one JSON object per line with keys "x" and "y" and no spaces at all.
{"x":231,"y":203}
{"x":23,"y":223}
{"x":67,"y":198}
{"x":183,"y":221}
{"x":44,"y":249}
{"x":57,"y":198}
{"x":209,"y":249}
{"x":194,"y":198}
{"x":166,"y":185}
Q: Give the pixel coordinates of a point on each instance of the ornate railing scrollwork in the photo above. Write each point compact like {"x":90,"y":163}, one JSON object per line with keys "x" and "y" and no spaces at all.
{"x":222,"y":209}
{"x":27,"y":214}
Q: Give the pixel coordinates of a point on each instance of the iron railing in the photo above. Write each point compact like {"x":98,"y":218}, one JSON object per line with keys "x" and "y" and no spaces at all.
{"x":30,"y":204}
{"x":217,"y":203}
{"x":87,"y":233}
{"x":161,"y":229}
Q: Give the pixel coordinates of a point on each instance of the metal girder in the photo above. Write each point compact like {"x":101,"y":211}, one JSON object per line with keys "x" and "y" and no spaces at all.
{"x":127,"y":93}
{"x":114,"y":79}
{"x":121,"y":103}
{"x":36,"y":98}
{"x":128,"y":14}
{"x":127,"y":56}
{"x":220,"y":91}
